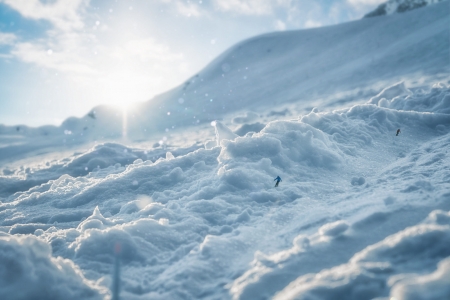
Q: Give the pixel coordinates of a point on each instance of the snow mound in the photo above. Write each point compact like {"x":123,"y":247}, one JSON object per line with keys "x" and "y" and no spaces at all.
{"x":109,"y":157}
{"x":31,"y":272}
{"x":388,"y":267}
{"x":249,"y":128}
{"x":391,"y":92}
{"x":223,"y":132}
{"x":400,"y":98}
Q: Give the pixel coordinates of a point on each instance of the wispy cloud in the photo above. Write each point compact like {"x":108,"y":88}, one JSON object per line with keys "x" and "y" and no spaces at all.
{"x":363,"y":5}
{"x":145,"y":50}
{"x":280,"y":25}
{"x":312,"y":24}
{"x":61,"y":61}
{"x":249,"y":7}
{"x":65,"y":43}
{"x":63,"y":14}
{"x":7,"y":38}
{"x":189,"y":9}
{"x":366,"y":2}
{"x":98,"y":60}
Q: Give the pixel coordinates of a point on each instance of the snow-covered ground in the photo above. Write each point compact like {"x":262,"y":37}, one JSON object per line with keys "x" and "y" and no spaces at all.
{"x":192,"y":212}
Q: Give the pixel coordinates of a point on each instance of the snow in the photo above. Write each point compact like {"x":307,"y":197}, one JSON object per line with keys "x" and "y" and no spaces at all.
{"x":30,"y":272}
{"x":399,"y":6}
{"x":360,"y":214}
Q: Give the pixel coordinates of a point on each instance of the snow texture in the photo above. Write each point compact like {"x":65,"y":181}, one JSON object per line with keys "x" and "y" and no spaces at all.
{"x":30,"y":272}
{"x":354,"y":203}
{"x":360,"y":214}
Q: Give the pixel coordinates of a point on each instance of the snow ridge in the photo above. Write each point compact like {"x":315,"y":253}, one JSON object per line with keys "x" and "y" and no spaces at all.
{"x":399,"y":6}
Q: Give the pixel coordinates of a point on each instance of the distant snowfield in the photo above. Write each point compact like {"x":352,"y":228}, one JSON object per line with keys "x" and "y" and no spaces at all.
{"x":360,"y":213}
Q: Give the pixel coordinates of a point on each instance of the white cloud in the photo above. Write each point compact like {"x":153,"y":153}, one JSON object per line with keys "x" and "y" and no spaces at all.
{"x":312,"y":24}
{"x":62,"y":61}
{"x":146,"y":50}
{"x":65,"y":47}
{"x":63,"y":14}
{"x":280,"y":25}
{"x":7,"y":38}
{"x":362,"y":6}
{"x":365,"y":2}
{"x":249,"y":7}
{"x":189,"y":9}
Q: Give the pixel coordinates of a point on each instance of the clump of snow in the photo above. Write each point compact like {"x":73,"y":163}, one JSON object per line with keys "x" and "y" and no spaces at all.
{"x":391,"y":92}
{"x":169,"y":156}
{"x":209,"y":144}
{"x":333,"y":229}
{"x":377,"y":270}
{"x":223,"y":132}
{"x":249,"y":128}
{"x":435,"y":285}
{"x":31,"y":272}
{"x":96,"y":220}
{"x":399,"y":98}
{"x":358,"y":181}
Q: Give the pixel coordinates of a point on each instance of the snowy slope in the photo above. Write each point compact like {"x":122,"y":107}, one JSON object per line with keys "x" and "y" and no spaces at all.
{"x":308,"y":67}
{"x":279,"y":73}
{"x":360,"y":213}
{"x":190,"y":211}
{"x":399,"y":6}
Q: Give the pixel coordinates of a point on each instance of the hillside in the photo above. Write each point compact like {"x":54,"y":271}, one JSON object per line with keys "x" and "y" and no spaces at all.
{"x":282,"y":73}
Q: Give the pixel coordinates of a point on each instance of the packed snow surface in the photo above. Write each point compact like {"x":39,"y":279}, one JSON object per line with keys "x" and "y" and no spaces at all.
{"x":361,"y":213}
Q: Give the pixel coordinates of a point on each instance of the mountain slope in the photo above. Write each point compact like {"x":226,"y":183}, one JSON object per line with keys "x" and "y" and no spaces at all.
{"x":306,"y":65}
{"x":284,"y":71}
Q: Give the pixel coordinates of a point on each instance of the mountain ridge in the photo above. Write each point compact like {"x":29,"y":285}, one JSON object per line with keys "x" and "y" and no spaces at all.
{"x":321,"y":67}
{"x":399,"y":6}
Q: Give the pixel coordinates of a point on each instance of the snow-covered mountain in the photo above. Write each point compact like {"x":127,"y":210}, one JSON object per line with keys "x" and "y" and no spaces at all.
{"x":399,"y":6}
{"x":279,"y":73}
{"x":354,"y":118}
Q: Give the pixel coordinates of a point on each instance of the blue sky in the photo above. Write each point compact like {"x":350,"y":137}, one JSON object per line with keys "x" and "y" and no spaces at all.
{"x":60,"y":58}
